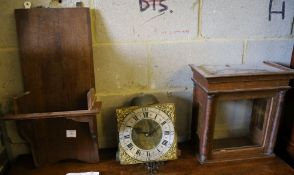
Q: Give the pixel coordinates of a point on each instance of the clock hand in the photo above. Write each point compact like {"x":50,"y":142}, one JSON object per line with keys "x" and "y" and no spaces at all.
{"x":153,"y":130}
{"x":140,"y":131}
{"x":147,"y":126}
{"x":146,"y":133}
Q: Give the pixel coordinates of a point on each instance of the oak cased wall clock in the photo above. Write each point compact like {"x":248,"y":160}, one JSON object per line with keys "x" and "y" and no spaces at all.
{"x":147,"y":133}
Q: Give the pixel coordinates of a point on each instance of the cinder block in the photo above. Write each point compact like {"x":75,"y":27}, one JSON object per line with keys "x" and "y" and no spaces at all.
{"x":11,"y":85}
{"x":170,"y":61}
{"x":272,"y":50}
{"x":121,"y":20}
{"x":10,"y":76}
{"x":106,"y":122}
{"x":120,"y":68}
{"x":245,"y":19}
{"x":8,"y":36}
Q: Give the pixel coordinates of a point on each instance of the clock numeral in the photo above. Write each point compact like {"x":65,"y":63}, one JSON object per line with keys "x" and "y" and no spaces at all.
{"x":135,"y":118}
{"x":127,"y":136}
{"x":144,"y":109}
{"x":155,"y":116}
{"x":164,"y":142}
{"x":148,"y":154}
{"x":163,"y":123}
{"x":158,"y":150}
{"x":138,"y":152}
{"x":130,"y":146}
{"x":166,"y":132}
{"x":145,"y":114}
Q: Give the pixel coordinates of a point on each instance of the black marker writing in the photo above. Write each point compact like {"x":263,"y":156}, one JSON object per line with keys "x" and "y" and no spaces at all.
{"x":145,"y":4}
{"x":276,"y":12}
{"x":164,"y":7}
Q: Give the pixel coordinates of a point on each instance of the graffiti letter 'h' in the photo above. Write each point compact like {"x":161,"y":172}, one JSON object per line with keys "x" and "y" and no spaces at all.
{"x":277,"y":12}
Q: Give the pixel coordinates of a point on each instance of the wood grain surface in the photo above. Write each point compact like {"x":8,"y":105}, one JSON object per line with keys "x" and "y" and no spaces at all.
{"x":186,"y":164}
{"x":56,"y":58}
{"x":58,"y":78}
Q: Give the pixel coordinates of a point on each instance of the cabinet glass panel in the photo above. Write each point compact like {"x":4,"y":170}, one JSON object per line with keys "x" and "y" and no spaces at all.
{"x":239,"y":123}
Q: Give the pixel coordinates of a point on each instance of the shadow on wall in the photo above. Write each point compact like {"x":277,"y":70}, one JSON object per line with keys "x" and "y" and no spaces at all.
{"x":118,"y":67}
{"x":115,"y":73}
{"x":183,"y":114}
{"x":181,"y":78}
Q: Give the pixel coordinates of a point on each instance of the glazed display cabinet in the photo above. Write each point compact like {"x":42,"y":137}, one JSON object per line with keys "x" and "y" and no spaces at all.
{"x":236,"y":110}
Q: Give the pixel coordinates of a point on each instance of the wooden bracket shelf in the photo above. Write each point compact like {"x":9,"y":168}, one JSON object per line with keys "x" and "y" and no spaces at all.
{"x":57,"y":113}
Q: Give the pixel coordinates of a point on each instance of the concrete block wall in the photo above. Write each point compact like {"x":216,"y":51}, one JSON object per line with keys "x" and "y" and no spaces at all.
{"x":147,"y":49}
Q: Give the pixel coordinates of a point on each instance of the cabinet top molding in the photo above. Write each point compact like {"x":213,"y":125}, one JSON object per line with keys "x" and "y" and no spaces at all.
{"x":223,"y":78}
{"x":267,"y":68}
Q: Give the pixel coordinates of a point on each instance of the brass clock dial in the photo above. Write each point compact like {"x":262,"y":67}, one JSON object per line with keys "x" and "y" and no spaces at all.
{"x":147,"y":133}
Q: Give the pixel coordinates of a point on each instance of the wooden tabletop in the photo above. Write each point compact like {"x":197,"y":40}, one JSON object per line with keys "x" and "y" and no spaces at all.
{"x":185,"y":165}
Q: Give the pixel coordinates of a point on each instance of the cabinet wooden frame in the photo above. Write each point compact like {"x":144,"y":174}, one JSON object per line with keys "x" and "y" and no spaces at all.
{"x":208,"y":91}
{"x":285,"y":141}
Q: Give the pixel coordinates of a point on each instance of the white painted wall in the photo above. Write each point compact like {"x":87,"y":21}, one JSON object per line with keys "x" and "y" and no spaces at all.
{"x":148,"y":51}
